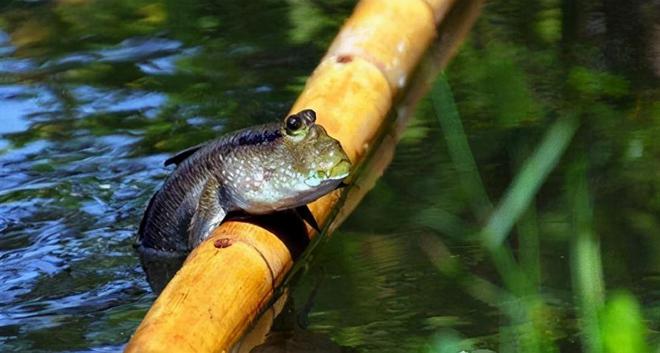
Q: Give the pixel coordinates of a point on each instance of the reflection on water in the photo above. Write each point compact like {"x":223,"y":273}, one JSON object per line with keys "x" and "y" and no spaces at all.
{"x":94,"y":97}
{"x":19,"y":103}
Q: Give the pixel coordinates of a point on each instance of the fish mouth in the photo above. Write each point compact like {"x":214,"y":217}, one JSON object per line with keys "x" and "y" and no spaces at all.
{"x":337,"y":172}
{"x":341,"y":170}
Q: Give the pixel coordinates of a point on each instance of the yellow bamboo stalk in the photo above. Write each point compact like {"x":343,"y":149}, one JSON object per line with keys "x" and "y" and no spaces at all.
{"x":220,"y":290}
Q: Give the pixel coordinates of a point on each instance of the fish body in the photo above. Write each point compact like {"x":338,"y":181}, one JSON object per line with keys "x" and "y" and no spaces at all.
{"x":257,"y":170}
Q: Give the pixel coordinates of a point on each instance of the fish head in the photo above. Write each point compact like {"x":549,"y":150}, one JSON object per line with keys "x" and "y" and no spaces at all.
{"x":320,"y":159}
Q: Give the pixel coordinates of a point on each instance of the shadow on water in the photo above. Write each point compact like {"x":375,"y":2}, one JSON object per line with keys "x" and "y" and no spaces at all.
{"x":96,"y":95}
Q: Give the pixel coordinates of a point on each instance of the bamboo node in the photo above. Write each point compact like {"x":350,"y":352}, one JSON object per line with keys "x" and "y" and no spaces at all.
{"x":223,"y":243}
{"x":344,"y":59}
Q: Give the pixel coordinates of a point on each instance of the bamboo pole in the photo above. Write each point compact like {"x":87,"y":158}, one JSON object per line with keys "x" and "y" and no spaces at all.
{"x":228,"y":279}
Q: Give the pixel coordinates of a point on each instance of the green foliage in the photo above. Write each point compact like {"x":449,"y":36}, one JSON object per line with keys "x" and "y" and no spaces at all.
{"x":308,"y":21}
{"x":449,"y":342}
{"x":548,"y":25}
{"x":498,"y":86}
{"x":622,"y":325}
{"x":560,"y":118}
{"x":100,"y":18}
{"x":590,"y":84}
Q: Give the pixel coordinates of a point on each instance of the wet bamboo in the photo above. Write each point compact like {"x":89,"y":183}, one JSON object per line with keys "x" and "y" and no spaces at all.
{"x":219,"y":291}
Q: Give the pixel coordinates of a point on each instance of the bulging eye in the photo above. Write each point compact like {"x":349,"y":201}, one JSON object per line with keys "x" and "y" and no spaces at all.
{"x":293,"y":124}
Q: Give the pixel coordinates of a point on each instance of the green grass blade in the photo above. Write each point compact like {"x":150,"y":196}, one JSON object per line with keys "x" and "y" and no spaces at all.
{"x":585,"y":258}
{"x":527,"y":183}
{"x":458,"y":146}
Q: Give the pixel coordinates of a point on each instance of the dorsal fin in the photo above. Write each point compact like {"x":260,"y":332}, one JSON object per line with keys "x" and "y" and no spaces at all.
{"x":182,"y":155}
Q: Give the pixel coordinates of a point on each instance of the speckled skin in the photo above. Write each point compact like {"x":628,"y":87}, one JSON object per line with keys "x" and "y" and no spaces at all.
{"x":258,"y":170}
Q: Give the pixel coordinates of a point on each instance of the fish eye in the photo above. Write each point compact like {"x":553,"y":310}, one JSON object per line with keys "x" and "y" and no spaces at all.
{"x":309,"y":115}
{"x":293,"y":124}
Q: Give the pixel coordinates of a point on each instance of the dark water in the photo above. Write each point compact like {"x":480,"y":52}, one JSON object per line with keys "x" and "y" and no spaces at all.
{"x":95,"y":95}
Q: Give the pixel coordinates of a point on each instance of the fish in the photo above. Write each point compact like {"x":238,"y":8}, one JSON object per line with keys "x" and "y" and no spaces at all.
{"x":256,"y":170}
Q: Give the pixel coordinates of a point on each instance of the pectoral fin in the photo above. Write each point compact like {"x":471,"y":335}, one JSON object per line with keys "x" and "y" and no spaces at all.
{"x":306,"y":215}
{"x":208,"y":214}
